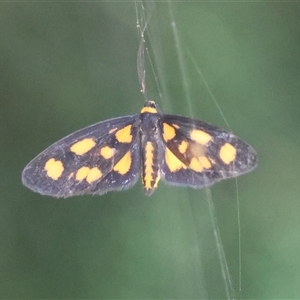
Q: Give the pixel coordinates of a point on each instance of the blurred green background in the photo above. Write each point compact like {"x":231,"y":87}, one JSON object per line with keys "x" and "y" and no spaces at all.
{"x":68,"y":65}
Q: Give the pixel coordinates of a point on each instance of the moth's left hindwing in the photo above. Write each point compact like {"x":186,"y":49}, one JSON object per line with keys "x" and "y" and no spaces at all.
{"x":198,"y":154}
{"x":93,"y":160}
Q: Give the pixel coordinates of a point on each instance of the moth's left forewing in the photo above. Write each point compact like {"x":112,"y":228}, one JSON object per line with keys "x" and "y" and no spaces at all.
{"x":198,"y":154}
{"x":93,"y":160}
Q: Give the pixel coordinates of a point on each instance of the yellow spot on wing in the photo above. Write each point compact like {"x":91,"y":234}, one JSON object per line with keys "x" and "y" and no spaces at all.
{"x":173,"y":163}
{"x":227,"y":153}
{"x":168,"y":132}
{"x":82,"y":173}
{"x":200,"y":136}
{"x":183,"y":146}
{"x":204,"y":161}
{"x":124,"y":135}
{"x":107,"y":152}
{"x":83,"y":146}
{"x":149,"y":109}
{"x":88,"y":174}
{"x":195,"y":165}
{"x":93,"y":175}
{"x":54,"y":168}
{"x":124,"y":164}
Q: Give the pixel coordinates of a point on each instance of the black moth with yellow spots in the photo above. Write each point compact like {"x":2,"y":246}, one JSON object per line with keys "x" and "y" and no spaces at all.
{"x":110,"y":155}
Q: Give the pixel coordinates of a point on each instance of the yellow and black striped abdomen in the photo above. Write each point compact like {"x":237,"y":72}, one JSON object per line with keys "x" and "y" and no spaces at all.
{"x":150,"y":165}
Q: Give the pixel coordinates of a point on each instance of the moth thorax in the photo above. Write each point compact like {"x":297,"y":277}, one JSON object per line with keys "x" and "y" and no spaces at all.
{"x":149,"y":124}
